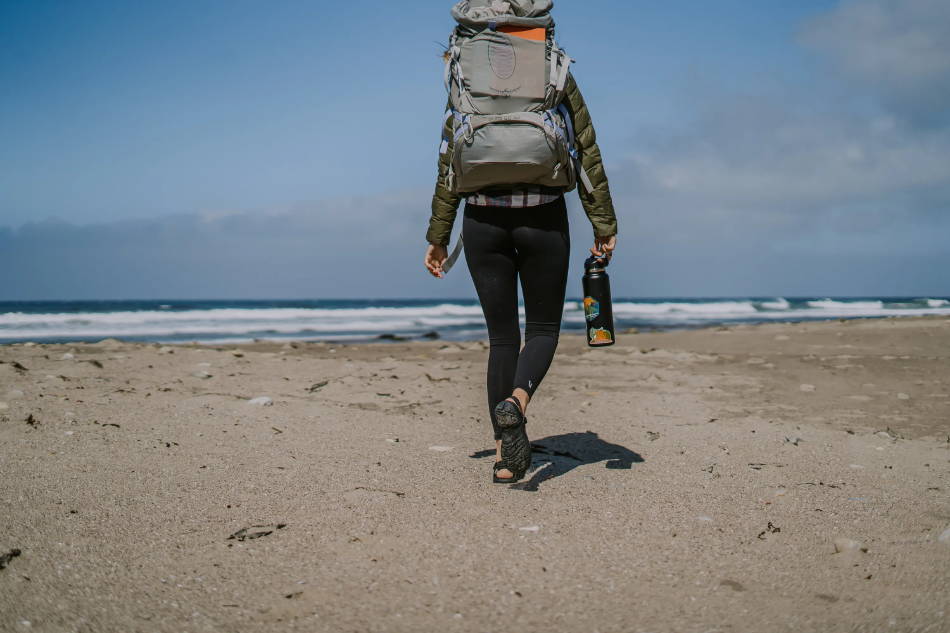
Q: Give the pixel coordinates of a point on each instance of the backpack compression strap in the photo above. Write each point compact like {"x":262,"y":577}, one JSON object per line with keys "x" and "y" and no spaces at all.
{"x":447,"y":265}
{"x":581,"y":172}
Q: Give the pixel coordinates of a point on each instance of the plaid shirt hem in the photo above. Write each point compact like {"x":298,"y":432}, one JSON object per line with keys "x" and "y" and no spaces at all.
{"x":522,"y":197}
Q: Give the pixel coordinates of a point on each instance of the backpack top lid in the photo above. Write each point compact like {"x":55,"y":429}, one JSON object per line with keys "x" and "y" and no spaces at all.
{"x":479,"y":14}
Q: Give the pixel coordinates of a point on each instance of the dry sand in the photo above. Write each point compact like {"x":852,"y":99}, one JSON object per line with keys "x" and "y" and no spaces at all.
{"x":686,"y":481}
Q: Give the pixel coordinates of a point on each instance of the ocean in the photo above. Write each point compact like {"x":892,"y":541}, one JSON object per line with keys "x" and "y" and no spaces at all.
{"x":171,"y":321}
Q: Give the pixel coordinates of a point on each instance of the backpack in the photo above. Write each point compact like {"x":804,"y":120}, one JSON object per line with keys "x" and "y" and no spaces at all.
{"x":506,"y":79}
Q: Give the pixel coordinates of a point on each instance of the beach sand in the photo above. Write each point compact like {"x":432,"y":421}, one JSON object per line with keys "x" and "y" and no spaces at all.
{"x":685,"y":481}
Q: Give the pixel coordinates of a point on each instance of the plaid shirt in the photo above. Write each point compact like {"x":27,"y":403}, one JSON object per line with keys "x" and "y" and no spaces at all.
{"x":530,"y":196}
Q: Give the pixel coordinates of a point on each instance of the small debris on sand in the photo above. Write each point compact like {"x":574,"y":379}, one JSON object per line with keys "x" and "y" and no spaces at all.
{"x":6,"y":558}
{"x":261,"y":401}
{"x":256,"y":531}
{"x":843,"y":545}
{"x":770,"y":529}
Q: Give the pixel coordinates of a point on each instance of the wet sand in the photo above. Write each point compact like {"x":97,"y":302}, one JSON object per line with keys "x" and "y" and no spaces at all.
{"x":683,"y":481}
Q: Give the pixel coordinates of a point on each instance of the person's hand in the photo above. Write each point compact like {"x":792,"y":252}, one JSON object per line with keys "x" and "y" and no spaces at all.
{"x":604,"y":246}
{"x":436,"y":254}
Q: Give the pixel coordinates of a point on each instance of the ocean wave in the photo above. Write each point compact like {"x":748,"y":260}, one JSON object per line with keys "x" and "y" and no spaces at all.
{"x":711,"y":308}
{"x":451,"y":320}
{"x":858,"y":306}
{"x":778,"y":304}
{"x":236,"y":314}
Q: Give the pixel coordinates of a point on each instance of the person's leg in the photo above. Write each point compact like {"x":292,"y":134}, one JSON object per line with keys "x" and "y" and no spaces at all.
{"x":543,"y":244}
{"x":491,"y":259}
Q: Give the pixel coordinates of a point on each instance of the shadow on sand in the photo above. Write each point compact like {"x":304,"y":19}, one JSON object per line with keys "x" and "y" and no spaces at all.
{"x":559,"y":454}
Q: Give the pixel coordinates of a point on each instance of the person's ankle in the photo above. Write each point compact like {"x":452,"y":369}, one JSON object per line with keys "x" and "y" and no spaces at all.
{"x":517,"y":401}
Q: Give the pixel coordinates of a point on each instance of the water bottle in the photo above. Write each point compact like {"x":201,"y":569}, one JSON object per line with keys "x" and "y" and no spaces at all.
{"x":598,"y":310}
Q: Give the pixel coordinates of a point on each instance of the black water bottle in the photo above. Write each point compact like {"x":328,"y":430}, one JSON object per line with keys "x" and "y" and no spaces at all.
{"x":597,"y":304}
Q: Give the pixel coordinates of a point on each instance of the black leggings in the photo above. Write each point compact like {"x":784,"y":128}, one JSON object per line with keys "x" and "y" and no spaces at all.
{"x":500,"y":245}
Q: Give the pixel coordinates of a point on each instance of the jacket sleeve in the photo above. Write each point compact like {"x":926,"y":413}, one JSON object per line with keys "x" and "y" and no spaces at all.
{"x":445,"y":203}
{"x":598,"y":205}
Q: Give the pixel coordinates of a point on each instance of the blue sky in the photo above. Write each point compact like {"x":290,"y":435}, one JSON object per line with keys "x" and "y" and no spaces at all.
{"x":753,"y":148}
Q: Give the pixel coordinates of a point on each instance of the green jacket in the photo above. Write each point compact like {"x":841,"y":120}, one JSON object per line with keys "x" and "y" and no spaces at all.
{"x":598,"y":205}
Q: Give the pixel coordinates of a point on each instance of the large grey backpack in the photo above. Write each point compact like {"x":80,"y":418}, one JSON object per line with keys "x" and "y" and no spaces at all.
{"x":506,"y":79}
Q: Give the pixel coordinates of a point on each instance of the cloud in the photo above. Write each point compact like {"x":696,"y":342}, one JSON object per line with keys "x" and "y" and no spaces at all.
{"x":355,"y":247}
{"x":754,"y":153}
{"x":898,"y":49}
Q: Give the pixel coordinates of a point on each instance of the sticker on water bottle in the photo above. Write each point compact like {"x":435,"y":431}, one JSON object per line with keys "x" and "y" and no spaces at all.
{"x":600,"y":336}
{"x":591,"y":308}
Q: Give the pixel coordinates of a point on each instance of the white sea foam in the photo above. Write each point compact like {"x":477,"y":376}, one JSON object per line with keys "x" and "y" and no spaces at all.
{"x":710,"y":309}
{"x":857,"y":306}
{"x":779,"y":304}
{"x":238,"y":314}
{"x":450,"y":319}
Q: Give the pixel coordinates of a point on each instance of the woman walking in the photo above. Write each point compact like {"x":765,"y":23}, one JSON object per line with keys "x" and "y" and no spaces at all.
{"x":509,"y":85}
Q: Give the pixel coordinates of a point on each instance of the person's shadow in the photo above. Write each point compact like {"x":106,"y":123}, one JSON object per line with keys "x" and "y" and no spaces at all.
{"x":559,"y":454}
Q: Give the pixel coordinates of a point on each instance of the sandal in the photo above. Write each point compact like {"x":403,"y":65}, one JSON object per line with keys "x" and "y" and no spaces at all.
{"x":515,"y":448}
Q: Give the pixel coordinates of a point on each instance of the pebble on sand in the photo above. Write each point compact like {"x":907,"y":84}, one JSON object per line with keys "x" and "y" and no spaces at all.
{"x":67,"y":356}
{"x":903,"y":396}
{"x":201,"y":374}
{"x":806,"y":388}
{"x":848,"y":545}
{"x":262,"y":401}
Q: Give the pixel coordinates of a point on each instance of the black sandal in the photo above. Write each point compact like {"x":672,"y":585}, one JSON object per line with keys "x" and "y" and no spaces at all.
{"x":515,"y":448}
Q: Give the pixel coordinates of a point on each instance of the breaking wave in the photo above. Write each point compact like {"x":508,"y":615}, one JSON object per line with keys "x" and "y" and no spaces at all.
{"x":209,"y":321}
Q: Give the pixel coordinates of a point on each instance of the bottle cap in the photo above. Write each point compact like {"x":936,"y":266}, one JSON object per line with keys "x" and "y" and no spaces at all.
{"x":594,"y":263}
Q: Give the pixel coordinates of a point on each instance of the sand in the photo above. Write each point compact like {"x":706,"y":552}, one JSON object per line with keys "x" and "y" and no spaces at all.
{"x":684,"y":481}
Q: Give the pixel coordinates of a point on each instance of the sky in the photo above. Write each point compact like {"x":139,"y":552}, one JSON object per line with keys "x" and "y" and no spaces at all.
{"x":242,"y":149}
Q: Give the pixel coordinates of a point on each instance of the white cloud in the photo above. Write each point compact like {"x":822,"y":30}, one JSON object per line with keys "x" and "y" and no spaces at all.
{"x":899,"y":49}
{"x":777,"y":156}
